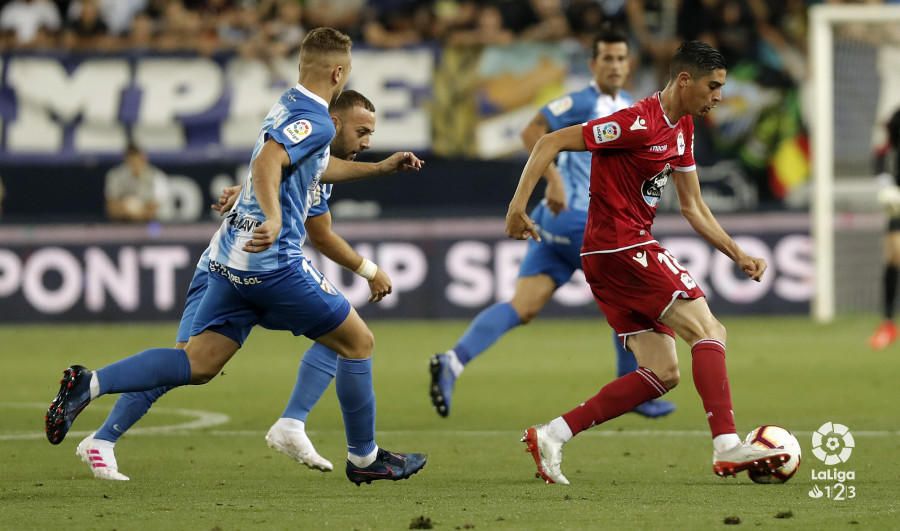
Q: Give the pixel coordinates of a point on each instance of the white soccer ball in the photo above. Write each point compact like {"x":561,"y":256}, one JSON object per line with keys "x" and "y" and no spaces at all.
{"x":776,"y":437}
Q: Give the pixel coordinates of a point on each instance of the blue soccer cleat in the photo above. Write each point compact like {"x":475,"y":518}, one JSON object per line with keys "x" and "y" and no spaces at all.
{"x":654,"y":409}
{"x":387,"y":465}
{"x":73,"y":396}
{"x":442,"y":382}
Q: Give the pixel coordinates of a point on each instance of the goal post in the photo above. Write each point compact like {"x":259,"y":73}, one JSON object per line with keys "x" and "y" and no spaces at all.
{"x":823,"y":19}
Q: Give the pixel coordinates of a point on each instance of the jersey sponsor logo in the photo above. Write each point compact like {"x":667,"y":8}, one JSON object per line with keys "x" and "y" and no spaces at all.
{"x":241,"y":222}
{"x":659,"y":148}
{"x":607,"y":132}
{"x":557,"y":107}
{"x":653,"y":187}
{"x":297,"y":131}
{"x":639,"y":123}
{"x":681,"y":143}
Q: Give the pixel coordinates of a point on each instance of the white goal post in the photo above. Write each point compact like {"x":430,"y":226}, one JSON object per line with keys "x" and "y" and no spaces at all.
{"x":821,"y":49}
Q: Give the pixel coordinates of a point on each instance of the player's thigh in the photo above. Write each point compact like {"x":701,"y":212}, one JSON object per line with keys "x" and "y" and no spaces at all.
{"x":300,"y":299}
{"x":225,"y":312}
{"x":892,"y":246}
{"x":351,"y":339}
{"x":692,"y":320}
{"x":532,"y":294}
{"x":656,"y":351}
{"x":195,"y":293}
{"x":208,"y":352}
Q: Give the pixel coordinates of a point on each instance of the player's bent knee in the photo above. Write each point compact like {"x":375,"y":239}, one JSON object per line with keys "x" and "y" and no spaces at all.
{"x":361,"y":346}
{"x":527,"y":315}
{"x":670,"y":377}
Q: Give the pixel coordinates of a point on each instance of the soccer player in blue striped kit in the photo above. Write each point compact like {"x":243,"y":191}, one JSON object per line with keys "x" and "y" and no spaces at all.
{"x":258,"y":274}
{"x":354,"y":118}
{"x":549,"y":264}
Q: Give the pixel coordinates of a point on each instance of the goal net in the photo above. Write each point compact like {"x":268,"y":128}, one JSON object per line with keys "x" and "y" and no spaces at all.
{"x":854,"y":53}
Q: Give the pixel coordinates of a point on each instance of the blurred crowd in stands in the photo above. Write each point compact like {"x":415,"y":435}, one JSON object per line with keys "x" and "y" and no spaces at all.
{"x":267,"y":28}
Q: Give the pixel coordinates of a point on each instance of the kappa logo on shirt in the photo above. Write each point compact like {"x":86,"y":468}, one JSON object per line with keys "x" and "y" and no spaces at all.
{"x":297,"y":131}
{"x":639,"y":123}
{"x":607,"y":132}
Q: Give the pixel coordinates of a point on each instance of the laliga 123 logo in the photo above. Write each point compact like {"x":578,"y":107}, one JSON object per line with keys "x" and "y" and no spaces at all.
{"x":833,"y":444}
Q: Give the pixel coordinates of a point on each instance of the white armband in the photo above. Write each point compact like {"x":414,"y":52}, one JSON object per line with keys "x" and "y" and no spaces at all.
{"x":367,"y":269}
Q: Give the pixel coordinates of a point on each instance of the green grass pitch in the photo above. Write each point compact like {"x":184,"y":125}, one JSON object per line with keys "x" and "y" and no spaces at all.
{"x":631,"y":473}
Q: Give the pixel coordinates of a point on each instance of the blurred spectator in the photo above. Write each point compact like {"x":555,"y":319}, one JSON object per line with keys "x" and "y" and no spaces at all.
{"x":32,"y":23}
{"x":116,"y":14}
{"x":285,"y":30}
{"x":653,"y":24}
{"x":728,"y":25}
{"x":397,"y":23}
{"x":549,"y":22}
{"x":142,"y":34}
{"x":486,"y":28}
{"x":134,"y":189}
{"x":86,"y":31}
{"x":345,"y":15}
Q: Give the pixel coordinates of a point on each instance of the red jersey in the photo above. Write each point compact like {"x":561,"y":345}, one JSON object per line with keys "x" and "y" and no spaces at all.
{"x":635,"y":150}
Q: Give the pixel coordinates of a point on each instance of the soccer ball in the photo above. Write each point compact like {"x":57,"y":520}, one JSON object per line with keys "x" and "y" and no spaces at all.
{"x":775,"y":437}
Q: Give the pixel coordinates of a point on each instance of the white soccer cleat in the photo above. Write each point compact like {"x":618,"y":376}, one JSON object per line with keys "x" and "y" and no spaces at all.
{"x":101,"y":457}
{"x":295,"y":444}
{"x":745,"y":456}
{"x":547,"y":454}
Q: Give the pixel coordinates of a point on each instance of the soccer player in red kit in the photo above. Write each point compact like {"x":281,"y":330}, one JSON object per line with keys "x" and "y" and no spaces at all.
{"x":646,"y":295}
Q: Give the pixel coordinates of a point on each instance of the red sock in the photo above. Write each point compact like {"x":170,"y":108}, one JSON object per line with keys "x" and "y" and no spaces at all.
{"x":617,"y":397}
{"x":711,"y":381}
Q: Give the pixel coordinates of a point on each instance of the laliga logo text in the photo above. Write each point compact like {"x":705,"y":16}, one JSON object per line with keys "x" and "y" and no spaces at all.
{"x":832,"y":444}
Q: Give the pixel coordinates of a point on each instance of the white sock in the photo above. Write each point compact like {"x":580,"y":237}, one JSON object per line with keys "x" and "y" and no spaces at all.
{"x":726,"y":441}
{"x":559,"y":429}
{"x":364,"y":460}
{"x":95,"y":385}
{"x":456,"y":367}
{"x":291,"y":424}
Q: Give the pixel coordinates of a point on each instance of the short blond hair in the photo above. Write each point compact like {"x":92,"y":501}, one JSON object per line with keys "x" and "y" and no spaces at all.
{"x":324,"y":41}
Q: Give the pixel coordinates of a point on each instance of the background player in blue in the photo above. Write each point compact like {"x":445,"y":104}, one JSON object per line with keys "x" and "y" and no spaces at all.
{"x":562,"y":215}
{"x":258,"y":274}
{"x":354,"y":120}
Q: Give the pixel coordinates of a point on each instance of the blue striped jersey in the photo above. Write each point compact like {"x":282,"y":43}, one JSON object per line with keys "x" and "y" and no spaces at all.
{"x":300,"y":122}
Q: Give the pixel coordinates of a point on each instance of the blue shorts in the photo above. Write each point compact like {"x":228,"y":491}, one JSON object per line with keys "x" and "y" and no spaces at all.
{"x":296,"y":298}
{"x":194,"y":296}
{"x":558,"y":254}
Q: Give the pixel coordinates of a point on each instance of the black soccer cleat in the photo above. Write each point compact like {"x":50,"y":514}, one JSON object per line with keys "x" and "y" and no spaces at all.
{"x":73,"y":396}
{"x":387,"y":465}
{"x":442,"y":383}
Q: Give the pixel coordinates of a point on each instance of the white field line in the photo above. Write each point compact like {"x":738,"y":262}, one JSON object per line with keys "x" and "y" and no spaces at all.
{"x":199,"y":419}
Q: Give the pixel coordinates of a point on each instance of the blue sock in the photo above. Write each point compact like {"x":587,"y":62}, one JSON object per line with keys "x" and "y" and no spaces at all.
{"x":129,"y":409}
{"x":487,"y":327}
{"x":156,"y":367}
{"x":625,"y":361}
{"x":317,"y":369}
{"x":357,"y":398}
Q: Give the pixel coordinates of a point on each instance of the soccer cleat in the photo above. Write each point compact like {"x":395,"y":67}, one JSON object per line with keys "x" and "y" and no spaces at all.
{"x":745,"y":456}
{"x":101,"y":458}
{"x":654,"y":409}
{"x":387,"y":465}
{"x":884,"y":335}
{"x":442,"y":382}
{"x":547,"y":454}
{"x":296,"y":445}
{"x":73,"y":396}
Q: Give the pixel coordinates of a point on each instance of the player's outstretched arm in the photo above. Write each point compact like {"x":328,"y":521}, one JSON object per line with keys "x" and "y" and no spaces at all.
{"x":266,"y":171}
{"x":697,"y":213}
{"x":336,"y":249}
{"x":556,"y":190}
{"x":343,"y":170}
{"x":518,"y":224}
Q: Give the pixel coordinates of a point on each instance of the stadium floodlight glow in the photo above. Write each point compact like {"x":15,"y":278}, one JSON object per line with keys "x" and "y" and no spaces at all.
{"x":821,"y":41}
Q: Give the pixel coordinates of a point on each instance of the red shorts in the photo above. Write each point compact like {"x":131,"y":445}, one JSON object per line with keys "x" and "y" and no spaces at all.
{"x":636,"y":286}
